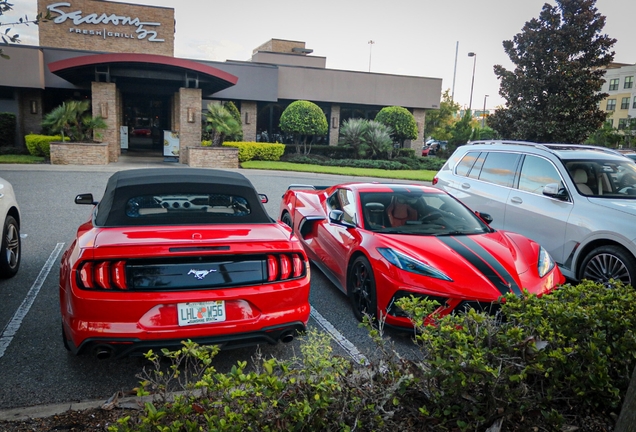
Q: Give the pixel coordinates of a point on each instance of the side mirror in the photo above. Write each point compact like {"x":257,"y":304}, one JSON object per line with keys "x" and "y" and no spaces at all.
{"x":336,"y":216}
{"x":263,"y":198}
{"x":85,"y":199}
{"x":552,"y":190}
{"x":485,"y":217}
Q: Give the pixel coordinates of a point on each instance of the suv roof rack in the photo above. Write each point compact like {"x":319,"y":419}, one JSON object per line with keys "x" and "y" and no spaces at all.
{"x":548,"y":146}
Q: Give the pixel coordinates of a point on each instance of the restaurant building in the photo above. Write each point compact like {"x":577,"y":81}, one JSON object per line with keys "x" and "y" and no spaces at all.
{"x":121,"y":57}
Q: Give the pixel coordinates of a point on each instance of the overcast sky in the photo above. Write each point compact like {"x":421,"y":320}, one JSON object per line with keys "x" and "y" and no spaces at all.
{"x":411,"y":37}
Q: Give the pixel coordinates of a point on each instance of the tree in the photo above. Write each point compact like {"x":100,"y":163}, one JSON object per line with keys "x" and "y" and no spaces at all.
{"x":440,"y":121}
{"x":461,"y":131}
{"x":605,"y":136}
{"x":303,"y":119}
{"x":401,"y":122}
{"x":7,"y":38}
{"x":236,"y":114}
{"x":73,"y":120}
{"x":353,"y":133}
{"x":378,"y":140}
{"x":220,"y":124}
{"x":554,"y":91}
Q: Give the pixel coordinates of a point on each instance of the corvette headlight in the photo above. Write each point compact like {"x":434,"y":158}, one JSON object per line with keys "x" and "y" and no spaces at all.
{"x":412,"y":265}
{"x":545,"y":264}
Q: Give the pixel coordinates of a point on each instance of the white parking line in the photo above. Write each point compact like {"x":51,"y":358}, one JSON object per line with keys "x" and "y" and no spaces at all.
{"x":350,"y":348}
{"x":14,"y":325}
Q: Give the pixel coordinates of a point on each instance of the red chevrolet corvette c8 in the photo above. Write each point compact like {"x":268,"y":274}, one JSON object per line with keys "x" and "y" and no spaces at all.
{"x":381,"y":242}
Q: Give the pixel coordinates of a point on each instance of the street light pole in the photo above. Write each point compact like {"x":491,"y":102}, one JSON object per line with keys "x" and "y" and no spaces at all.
{"x":370,"y":46}
{"x":483,"y":113}
{"x":472,"y":54}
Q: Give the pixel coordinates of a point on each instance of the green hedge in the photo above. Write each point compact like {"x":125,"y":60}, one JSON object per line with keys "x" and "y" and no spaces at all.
{"x":431,"y":164}
{"x":7,"y":129}
{"x":332,"y":152}
{"x":254,"y":151}
{"x":39,"y":145}
{"x":554,"y":363}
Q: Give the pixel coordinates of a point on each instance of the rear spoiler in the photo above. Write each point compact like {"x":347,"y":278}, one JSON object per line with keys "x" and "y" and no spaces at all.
{"x":304,"y":186}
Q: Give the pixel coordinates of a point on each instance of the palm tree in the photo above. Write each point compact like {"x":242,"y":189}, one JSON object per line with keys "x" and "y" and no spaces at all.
{"x":72,"y":119}
{"x":220,"y":123}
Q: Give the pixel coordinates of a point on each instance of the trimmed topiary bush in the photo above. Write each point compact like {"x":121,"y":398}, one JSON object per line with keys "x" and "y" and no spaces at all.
{"x":7,"y":129}
{"x":39,"y":145}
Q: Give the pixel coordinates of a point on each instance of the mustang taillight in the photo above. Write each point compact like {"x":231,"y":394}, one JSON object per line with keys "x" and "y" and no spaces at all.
{"x":284,"y":266}
{"x":102,"y":275}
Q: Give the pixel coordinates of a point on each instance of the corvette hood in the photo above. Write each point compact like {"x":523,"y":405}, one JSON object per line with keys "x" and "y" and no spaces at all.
{"x":481,"y":266}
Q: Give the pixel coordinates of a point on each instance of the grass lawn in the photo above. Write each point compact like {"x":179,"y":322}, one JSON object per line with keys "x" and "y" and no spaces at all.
{"x":20,"y":159}
{"x":420,"y":175}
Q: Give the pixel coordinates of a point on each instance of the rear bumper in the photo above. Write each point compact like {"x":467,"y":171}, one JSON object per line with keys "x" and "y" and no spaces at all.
{"x":115,"y":348}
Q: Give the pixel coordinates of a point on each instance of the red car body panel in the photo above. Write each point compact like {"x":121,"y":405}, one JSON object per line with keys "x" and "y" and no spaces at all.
{"x":130,"y":319}
{"x":473,"y":262}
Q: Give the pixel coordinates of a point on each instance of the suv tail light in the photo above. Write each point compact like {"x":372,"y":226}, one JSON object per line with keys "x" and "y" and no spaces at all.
{"x":435,"y":180}
{"x":284,"y":266}
{"x":102,"y":275}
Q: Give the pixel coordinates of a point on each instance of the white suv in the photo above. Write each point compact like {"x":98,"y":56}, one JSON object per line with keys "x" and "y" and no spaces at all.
{"x":579,"y":202}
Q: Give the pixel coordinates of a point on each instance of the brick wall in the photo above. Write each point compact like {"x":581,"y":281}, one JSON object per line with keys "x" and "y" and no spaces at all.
{"x":334,"y":124}
{"x":189,"y":121}
{"x":109,"y":37}
{"x":420,"y":119}
{"x":213,"y":157}
{"x":249,"y":129}
{"x":79,"y":153}
{"x":105,"y":102}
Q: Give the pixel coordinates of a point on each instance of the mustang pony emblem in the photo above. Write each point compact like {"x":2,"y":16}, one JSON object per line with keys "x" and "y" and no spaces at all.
{"x":200,"y":274}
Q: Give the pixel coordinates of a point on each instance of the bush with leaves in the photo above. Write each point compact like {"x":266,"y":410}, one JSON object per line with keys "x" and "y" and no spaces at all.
{"x":401,"y":121}
{"x":7,"y":129}
{"x":303,"y":119}
{"x":74,"y":120}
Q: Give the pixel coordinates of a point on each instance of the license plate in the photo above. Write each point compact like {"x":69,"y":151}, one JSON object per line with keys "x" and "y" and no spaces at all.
{"x":201,"y":312}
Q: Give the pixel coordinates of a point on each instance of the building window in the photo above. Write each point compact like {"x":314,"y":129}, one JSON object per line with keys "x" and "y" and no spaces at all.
{"x":625,"y":103}
{"x":613,"y":85}
{"x":622,"y":123}
{"x":629,"y":82}
{"x":611,"y":105}
{"x":634,"y":104}
{"x":610,"y":122}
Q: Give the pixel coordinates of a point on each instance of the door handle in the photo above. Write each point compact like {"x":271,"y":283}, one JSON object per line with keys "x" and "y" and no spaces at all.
{"x":465,"y":185}
{"x":516,"y":200}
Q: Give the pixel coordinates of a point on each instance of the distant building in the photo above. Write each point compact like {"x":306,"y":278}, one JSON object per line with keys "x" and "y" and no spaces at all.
{"x":121,"y":57}
{"x":621,"y":102}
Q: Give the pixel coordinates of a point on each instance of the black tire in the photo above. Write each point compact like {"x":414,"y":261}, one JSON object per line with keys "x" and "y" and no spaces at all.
{"x":287,"y":220}
{"x":609,"y":262}
{"x":361,"y":289}
{"x":10,"y":250}
{"x":64,"y":339}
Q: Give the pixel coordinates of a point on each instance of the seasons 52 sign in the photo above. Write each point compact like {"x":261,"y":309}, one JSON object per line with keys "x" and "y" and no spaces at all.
{"x":62,"y":13}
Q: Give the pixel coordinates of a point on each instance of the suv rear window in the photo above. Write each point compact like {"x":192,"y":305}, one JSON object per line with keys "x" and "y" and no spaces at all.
{"x":492,"y":167}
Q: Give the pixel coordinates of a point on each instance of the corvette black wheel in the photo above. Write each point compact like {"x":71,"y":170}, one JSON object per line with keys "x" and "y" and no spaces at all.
{"x":10,"y":248}
{"x":609,"y":262}
{"x":287,"y":220}
{"x":361,"y":289}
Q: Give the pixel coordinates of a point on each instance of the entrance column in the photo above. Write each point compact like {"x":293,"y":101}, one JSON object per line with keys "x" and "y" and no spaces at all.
{"x":420,"y":119}
{"x":105,"y":103}
{"x":189,"y":127}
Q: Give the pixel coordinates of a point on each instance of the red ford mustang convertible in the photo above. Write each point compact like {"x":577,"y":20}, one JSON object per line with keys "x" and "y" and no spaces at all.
{"x":381,"y":242}
{"x":180,"y":253}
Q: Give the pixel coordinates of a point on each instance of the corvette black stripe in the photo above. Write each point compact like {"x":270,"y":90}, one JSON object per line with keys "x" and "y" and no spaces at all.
{"x":483,"y":261}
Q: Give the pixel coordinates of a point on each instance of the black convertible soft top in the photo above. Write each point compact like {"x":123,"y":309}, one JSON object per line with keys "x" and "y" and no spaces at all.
{"x":140,"y":185}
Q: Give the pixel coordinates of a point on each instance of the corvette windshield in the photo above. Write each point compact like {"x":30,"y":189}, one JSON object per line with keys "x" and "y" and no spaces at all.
{"x":418,"y":213}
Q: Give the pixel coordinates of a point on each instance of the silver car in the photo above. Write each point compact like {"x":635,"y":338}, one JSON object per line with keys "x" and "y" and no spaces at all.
{"x":10,"y":222}
{"x":578,"y":202}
